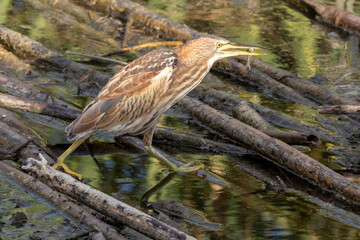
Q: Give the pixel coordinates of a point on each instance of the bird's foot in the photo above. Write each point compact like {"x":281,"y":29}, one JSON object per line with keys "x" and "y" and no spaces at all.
{"x":61,"y":164}
{"x":189,"y":167}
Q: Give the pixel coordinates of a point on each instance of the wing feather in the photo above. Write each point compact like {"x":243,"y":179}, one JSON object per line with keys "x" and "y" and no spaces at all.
{"x":127,"y":95}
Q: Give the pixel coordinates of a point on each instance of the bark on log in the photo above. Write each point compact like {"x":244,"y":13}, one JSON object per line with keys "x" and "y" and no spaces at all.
{"x":103,"y":203}
{"x":310,"y":89}
{"x":8,"y":60}
{"x":339,"y":109}
{"x":53,"y":110}
{"x":274,"y":149}
{"x":65,"y":204}
{"x":247,"y":114}
{"x":334,"y":15}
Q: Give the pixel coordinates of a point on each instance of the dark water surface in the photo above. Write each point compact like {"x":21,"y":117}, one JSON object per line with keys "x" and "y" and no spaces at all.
{"x":245,"y":210}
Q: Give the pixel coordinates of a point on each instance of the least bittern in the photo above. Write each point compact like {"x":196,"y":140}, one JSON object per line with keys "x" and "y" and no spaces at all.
{"x":134,"y":99}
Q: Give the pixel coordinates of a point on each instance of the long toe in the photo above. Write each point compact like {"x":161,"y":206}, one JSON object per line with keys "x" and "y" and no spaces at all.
{"x":67,"y":170}
{"x":189,"y":168}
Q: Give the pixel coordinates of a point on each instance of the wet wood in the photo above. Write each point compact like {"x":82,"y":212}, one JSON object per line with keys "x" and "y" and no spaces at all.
{"x":53,"y":110}
{"x":227,"y":102}
{"x":184,"y":140}
{"x":62,"y":202}
{"x":339,"y":109}
{"x":247,"y":114}
{"x":309,"y":89}
{"x":334,"y":15}
{"x":9,"y":60}
{"x":273,"y":149}
{"x":103,"y":203}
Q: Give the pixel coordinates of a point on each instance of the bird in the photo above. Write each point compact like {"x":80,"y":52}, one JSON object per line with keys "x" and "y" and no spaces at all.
{"x":134,"y":99}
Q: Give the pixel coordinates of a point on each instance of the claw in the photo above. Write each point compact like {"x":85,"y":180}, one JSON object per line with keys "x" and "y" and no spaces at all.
{"x":67,"y":170}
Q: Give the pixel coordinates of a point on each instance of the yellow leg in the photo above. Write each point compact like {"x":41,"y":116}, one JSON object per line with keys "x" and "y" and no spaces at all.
{"x":61,"y":159}
{"x":183,"y":169}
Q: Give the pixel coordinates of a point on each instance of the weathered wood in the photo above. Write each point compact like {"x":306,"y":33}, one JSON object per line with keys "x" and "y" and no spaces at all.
{"x":103,"y":203}
{"x":338,"y":109}
{"x":61,"y":201}
{"x":272,"y":148}
{"x":53,"y":110}
{"x":247,"y":114}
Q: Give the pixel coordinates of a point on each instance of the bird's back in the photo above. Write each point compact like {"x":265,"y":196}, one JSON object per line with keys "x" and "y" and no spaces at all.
{"x":131,"y":100}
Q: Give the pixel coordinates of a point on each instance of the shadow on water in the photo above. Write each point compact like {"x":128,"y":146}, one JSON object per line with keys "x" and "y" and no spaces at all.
{"x":247,"y":209}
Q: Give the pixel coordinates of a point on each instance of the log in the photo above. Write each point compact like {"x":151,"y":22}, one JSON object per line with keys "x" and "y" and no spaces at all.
{"x":103,"y":203}
{"x":61,"y":201}
{"x":226,"y":102}
{"x":9,"y":60}
{"x":339,"y":109}
{"x":273,"y":149}
{"x":53,"y":110}
{"x":247,"y":114}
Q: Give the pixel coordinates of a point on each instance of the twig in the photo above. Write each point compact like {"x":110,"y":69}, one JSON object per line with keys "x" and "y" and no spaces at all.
{"x":145,"y":45}
{"x":103,"y":59}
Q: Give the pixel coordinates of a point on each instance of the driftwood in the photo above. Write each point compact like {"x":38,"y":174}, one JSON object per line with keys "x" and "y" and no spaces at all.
{"x":247,"y":114}
{"x":8,"y":60}
{"x":338,"y":109}
{"x":273,"y":149}
{"x":65,"y":204}
{"x":103,"y":203}
{"x":53,"y":110}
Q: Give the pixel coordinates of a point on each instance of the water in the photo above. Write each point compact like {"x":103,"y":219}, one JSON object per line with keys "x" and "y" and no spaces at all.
{"x":245,"y":210}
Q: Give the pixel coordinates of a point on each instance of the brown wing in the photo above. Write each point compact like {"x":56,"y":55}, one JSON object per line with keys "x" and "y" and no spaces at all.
{"x":128,"y":94}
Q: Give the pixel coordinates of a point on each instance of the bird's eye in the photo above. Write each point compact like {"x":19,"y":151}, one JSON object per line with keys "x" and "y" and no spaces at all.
{"x":218,"y":45}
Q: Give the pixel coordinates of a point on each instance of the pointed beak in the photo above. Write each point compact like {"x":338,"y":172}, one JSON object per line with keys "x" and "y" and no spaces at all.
{"x":234,"y":49}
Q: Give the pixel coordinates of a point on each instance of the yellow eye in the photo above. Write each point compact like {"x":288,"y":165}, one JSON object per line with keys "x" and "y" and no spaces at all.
{"x":218,"y":45}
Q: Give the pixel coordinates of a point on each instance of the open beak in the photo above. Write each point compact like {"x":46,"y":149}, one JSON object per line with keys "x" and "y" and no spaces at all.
{"x":234,"y":49}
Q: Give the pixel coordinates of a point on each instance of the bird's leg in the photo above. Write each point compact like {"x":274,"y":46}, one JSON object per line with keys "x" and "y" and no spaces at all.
{"x":61,"y":159}
{"x":151,"y":150}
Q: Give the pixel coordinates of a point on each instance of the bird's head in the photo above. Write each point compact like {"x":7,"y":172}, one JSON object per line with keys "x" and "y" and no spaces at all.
{"x":211,"y":49}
